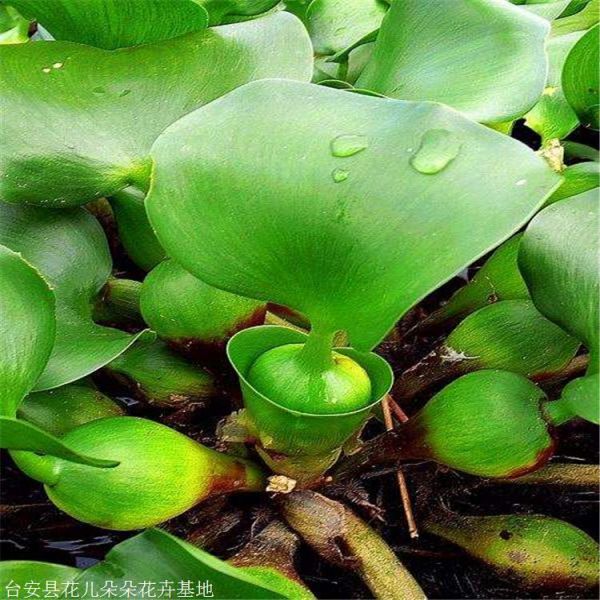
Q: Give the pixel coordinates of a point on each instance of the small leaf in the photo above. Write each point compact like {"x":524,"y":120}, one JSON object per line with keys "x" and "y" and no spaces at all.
{"x":70,"y":250}
{"x":580,"y":78}
{"x":26,"y":328}
{"x":252,"y":207}
{"x":582,"y":396}
{"x":21,"y":435}
{"x":337,"y":26}
{"x":578,"y":178}
{"x":115,"y":24}
{"x":108,"y":107}
{"x":552,"y":117}
{"x":559,"y":261}
{"x":484,"y":58}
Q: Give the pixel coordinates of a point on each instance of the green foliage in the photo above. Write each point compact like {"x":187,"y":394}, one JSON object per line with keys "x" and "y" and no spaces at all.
{"x":153,"y":555}
{"x":559,"y":261}
{"x":312,"y":247}
{"x":580,"y":78}
{"x":108,"y":107}
{"x":485,"y":57}
{"x":70,"y":250}
{"x":26,"y":328}
{"x":578,"y":178}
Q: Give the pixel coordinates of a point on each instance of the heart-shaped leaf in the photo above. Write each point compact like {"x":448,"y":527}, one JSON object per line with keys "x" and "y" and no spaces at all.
{"x":558,"y":258}
{"x":21,"y":435}
{"x":70,"y":250}
{"x":552,"y":117}
{"x":280,"y":195}
{"x":26,"y":328}
{"x":113,"y":23}
{"x":108,"y":107}
{"x":580,"y":78}
{"x":483,"y":57}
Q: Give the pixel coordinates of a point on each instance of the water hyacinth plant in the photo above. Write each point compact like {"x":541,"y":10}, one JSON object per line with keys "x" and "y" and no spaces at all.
{"x":239,"y":239}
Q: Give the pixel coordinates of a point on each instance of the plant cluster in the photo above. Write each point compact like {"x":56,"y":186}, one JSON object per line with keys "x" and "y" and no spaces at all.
{"x":285,"y":185}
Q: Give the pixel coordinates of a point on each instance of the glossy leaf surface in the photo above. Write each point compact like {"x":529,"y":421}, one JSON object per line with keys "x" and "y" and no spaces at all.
{"x":70,"y":250}
{"x":484,"y":58}
{"x":21,"y":435}
{"x":578,"y":178}
{"x":113,"y":23}
{"x":299,"y":166}
{"x":338,"y":25}
{"x":559,"y":261}
{"x":580,"y":78}
{"x":26,"y":328}
{"x":108,"y":107}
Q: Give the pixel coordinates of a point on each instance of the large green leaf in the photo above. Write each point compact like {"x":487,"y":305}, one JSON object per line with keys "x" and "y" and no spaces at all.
{"x":108,"y":107}
{"x":552,"y":117}
{"x":580,"y":21}
{"x":549,"y":9}
{"x":558,"y":257}
{"x":333,"y":203}
{"x":21,"y":435}
{"x":70,"y":250}
{"x":26,"y":328}
{"x":483,"y":57}
{"x":580,"y":78}
{"x":115,"y":23}
{"x":149,"y":565}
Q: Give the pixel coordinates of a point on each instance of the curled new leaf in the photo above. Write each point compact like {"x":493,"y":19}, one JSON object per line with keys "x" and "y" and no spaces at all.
{"x":483,"y":57}
{"x":307,"y":195}
{"x":69,"y":248}
{"x":108,"y":107}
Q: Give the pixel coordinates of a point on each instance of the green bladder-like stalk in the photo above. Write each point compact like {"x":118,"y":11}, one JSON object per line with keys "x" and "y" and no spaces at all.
{"x":297,"y":436}
{"x":160,"y":473}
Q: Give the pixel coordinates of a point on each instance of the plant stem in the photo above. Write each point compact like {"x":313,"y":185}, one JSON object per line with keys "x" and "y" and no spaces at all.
{"x":340,"y":537}
{"x":316,"y":353}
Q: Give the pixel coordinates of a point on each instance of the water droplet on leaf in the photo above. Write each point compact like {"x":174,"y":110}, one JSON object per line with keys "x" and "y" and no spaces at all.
{"x":339,"y":175}
{"x":439,"y":147}
{"x":124,"y":93}
{"x":521,"y":182}
{"x":348,"y":145}
{"x":57,"y":65}
{"x":46,"y":69}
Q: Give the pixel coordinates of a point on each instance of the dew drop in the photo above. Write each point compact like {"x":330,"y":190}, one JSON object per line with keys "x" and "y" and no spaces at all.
{"x":339,"y":175}
{"x":348,"y":145}
{"x":46,"y":69}
{"x":57,"y":65}
{"x":521,"y":182}
{"x":439,"y":147}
